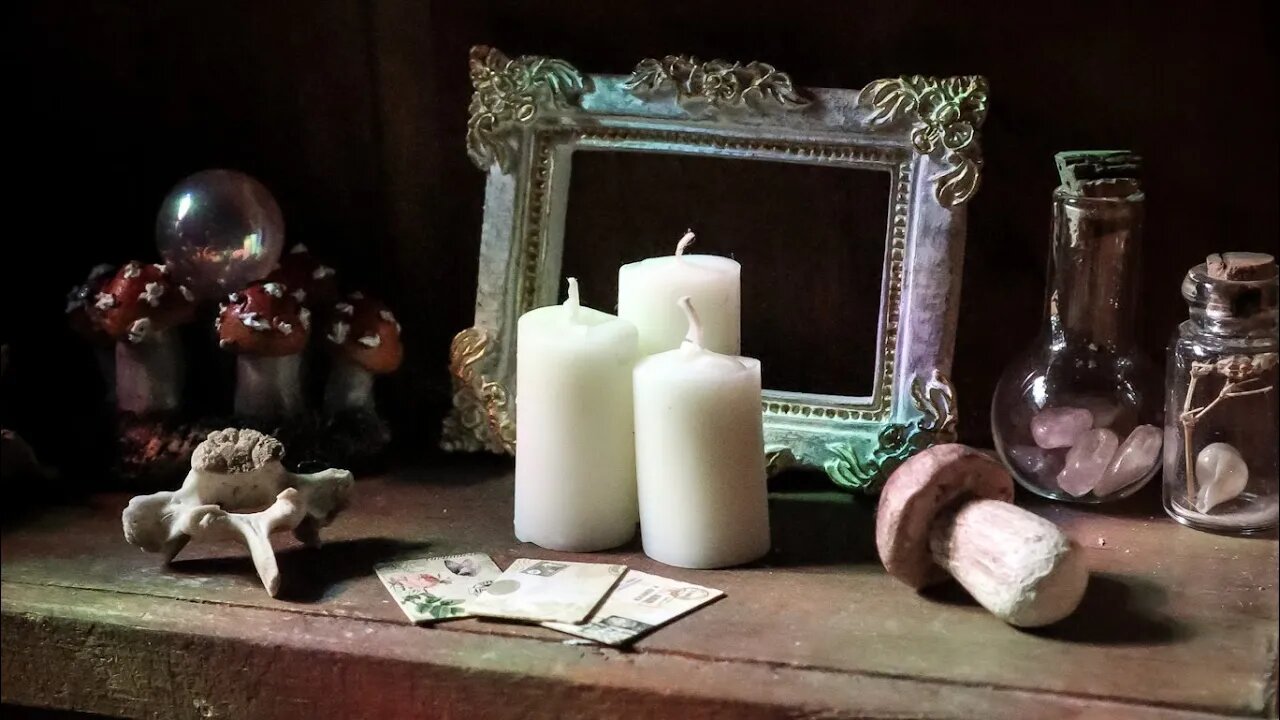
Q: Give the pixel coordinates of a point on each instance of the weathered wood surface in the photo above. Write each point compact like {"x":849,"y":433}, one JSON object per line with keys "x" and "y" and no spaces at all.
{"x":1175,"y":624}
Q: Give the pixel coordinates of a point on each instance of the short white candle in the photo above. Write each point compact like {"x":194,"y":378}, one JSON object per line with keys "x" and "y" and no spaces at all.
{"x":700,"y":455}
{"x":648,"y":292}
{"x":575,"y":439}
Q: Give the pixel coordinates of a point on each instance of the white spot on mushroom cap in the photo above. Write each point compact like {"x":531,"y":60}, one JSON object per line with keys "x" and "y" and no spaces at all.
{"x":300,"y":295}
{"x":104,"y":301}
{"x":345,"y":308}
{"x":284,"y":327}
{"x":387,"y":316}
{"x":234,"y":298}
{"x":371,"y":341}
{"x":186,"y":293}
{"x":139,"y":330}
{"x":254,"y":321}
{"x":338,"y":334}
{"x":163,"y":268}
{"x":321,"y":272}
{"x":357,"y":295}
{"x":132,"y":270}
{"x":273,"y":289}
{"x":152,"y":293}
{"x":304,"y":316}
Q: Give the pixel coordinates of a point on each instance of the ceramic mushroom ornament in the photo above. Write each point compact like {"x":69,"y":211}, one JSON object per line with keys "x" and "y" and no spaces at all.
{"x":365,"y":339}
{"x":309,"y":281}
{"x":238,"y":470}
{"x":139,"y":307}
{"x":267,"y":327}
{"x":947,"y":511}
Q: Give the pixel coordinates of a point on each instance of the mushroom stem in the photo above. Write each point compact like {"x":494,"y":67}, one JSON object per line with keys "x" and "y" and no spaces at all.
{"x":105,"y":355}
{"x":149,"y":374}
{"x":350,"y":387}
{"x":1014,"y":563}
{"x":269,"y":387}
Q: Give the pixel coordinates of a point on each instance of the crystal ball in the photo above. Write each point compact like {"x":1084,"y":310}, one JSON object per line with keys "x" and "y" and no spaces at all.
{"x":218,"y":231}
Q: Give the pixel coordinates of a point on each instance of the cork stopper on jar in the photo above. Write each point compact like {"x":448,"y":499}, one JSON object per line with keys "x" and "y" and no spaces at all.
{"x":1240,"y":266}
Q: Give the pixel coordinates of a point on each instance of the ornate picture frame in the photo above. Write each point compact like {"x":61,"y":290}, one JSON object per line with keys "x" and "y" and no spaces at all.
{"x":529,"y":114}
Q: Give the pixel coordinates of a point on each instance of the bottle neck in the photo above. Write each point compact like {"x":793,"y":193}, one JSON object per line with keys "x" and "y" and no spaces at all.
{"x":1093,"y":270}
{"x":1245,"y":309}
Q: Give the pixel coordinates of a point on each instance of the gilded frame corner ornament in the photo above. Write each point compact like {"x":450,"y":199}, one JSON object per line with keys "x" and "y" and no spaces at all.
{"x":530,"y":114}
{"x":510,"y":93}
{"x":946,"y":115}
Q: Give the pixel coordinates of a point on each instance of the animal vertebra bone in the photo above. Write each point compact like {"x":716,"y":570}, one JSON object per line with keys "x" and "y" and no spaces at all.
{"x":238,"y":470}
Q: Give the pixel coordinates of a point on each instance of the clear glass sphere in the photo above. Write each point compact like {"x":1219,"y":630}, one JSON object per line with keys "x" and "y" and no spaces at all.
{"x":218,"y":231}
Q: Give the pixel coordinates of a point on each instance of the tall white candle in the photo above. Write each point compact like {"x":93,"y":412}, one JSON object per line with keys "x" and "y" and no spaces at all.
{"x":575,"y":439}
{"x":700,"y":455}
{"x":648,"y":292}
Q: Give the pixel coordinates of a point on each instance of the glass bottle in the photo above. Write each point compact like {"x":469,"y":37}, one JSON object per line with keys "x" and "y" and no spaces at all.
{"x":1069,"y":415}
{"x":1221,"y":418}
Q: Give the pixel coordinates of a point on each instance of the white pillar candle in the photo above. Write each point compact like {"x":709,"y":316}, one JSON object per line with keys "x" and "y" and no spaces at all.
{"x":575,"y":438}
{"x":700,"y":455}
{"x":649,"y":291}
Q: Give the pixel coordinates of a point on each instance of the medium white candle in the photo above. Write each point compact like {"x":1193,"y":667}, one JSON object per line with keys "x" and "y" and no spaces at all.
{"x":575,"y":442}
{"x":648,"y":292}
{"x":700,"y":455}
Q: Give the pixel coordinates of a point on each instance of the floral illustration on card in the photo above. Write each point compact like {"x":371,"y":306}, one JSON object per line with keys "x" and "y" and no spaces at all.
{"x":413,"y":589}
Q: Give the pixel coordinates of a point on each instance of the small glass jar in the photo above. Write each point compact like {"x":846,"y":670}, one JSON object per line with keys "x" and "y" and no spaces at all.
{"x":1220,"y":463}
{"x":1070,"y":416}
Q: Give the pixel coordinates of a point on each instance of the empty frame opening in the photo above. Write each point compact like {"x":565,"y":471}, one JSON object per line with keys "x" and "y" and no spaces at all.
{"x":811,"y":241}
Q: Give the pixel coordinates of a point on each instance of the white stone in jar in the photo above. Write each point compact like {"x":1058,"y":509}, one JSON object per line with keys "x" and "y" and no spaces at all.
{"x":1221,"y":474}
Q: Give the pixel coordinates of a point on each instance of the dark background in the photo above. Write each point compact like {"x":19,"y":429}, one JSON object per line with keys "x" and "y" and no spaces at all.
{"x":810,"y":239}
{"x":353,"y":112}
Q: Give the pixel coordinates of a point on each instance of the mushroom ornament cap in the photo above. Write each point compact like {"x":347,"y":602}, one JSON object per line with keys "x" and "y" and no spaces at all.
{"x":263,"y":319}
{"x":929,"y":482}
{"x":142,"y":299}
{"x":365,"y":332}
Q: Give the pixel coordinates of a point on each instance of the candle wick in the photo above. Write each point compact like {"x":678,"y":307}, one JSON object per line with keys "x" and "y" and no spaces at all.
{"x":694,"y":335}
{"x":684,"y":242}
{"x":573,"y":303}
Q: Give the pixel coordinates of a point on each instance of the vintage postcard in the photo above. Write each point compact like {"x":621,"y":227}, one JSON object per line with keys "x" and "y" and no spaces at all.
{"x":438,"y":588}
{"x":640,"y":603}
{"x":538,"y":590}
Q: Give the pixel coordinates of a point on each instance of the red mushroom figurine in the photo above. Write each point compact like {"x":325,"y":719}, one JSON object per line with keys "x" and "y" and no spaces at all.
{"x":139,"y":307}
{"x":365,"y":339}
{"x":948,"y":511}
{"x":309,"y":281}
{"x":267,"y":328}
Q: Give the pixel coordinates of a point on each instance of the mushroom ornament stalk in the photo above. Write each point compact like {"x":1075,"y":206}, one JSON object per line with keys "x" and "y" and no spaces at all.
{"x":139,"y":308}
{"x":267,"y":327}
{"x":365,"y":339}
{"x":947,"y":511}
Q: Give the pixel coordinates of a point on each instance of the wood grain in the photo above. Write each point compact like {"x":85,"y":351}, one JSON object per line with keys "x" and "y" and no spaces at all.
{"x":1173,"y":619}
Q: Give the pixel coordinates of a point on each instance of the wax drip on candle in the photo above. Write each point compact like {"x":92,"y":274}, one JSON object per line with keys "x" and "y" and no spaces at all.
{"x":572,"y":302}
{"x":684,"y":242}
{"x":694,"y":336}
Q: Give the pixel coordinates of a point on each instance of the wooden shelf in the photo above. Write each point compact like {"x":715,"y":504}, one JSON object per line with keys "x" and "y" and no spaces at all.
{"x":1176,"y":624}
